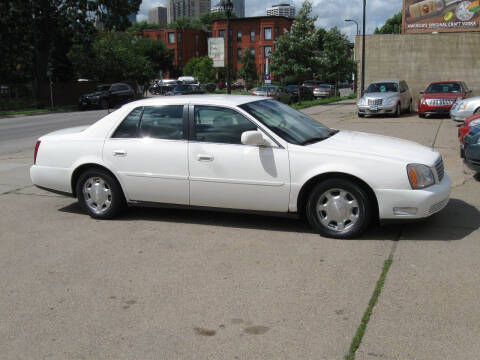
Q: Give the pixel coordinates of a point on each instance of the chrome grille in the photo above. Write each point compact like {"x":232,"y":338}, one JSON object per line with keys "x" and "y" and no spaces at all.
{"x":375,"y":101}
{"x":440,"y":102}
{"x":439,"y":169}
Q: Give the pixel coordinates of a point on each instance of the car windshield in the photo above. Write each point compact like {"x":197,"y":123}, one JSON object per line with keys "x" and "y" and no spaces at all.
{"x":291,"y":125}
{"x":444,"y":88}
{"x":103,"y":87}
{"x":383,"y":87}
{"x":292,"y":87}
{"x":267,"y":89}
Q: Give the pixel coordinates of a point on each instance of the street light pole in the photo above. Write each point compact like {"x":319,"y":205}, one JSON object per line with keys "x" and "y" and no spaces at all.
{"x":363,"y":45}
{"x":228,"y":8}
{"x":356,"y":23}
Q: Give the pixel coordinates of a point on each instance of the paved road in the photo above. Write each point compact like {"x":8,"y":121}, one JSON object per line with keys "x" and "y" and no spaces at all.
{"x":178,"y":284}
{"x":19,"y":133}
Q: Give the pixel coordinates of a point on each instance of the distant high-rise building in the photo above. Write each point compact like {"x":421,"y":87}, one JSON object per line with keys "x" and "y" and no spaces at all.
{"x":187,"y":8}
{"x":238,"y":8}
{"x":157,"y":15}
{"x":281,"y":10}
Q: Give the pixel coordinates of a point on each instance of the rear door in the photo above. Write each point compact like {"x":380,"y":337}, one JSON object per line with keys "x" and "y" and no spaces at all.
{"x":148,"y":151}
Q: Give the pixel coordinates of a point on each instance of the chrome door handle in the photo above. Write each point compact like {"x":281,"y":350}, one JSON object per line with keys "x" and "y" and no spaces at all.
{"x":119,"y":153}
{"x":204,"y":157}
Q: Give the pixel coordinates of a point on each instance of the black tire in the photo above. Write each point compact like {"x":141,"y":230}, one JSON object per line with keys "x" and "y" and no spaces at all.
{"x":422,"y":116}
{"x":362,"y":211}
{"x":410,"y":108}
{"x":361,"y":115}
{"x":116,"y":198}
{"x":398,"y":111}
{"x":104,"y":104}
{"x":477,"y":111}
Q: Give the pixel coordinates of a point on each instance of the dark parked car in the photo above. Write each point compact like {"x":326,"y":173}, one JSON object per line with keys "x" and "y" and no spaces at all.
{"x":471,"y":149}
{"x":185,"y":90}
{"x":294,"y":90}
{"x":107,"y":96}
{"x":276,"y":92}
{"x":163,"y":86}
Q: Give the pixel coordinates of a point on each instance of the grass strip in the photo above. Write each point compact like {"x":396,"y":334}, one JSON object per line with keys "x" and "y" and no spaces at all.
{"x":307,"y":104}
{"x":36,"y":111}
{"x":357,"y":340}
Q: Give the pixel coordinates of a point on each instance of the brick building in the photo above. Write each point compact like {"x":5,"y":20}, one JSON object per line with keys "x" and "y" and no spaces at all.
{"x":255,"y":33}
{"x":185,"y":43}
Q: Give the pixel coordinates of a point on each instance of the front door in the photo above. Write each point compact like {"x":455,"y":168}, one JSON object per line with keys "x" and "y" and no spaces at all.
{"x":148,"y":151}
{"x":224,"y":173}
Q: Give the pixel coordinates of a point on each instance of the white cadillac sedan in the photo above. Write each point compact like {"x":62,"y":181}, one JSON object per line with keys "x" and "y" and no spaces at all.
{"x":243,"y":153}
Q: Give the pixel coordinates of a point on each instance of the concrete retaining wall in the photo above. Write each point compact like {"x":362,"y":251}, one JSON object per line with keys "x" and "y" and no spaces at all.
{"x":421,"y":59}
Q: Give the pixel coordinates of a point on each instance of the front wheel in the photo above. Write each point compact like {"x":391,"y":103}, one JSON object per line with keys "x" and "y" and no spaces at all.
{"x":339,"y":208}
{"x":398,"y":110}
{"x":99,"y":194}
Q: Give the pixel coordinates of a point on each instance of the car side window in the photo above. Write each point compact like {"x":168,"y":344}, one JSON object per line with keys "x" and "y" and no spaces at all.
{"x":162,"y":122}
{"x":220,"y":125}
{"x":128,"y":127}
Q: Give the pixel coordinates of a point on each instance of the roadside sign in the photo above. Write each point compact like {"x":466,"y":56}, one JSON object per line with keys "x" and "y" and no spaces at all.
{"x":216,"y":51}
{"x":268,"y":79}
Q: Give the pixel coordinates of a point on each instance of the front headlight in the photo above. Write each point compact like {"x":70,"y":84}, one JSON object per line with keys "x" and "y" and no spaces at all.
{"x":462,"y":106}
{"x":420,"y":176}
{"x":423,"y":101}
{"x":362,"y":101}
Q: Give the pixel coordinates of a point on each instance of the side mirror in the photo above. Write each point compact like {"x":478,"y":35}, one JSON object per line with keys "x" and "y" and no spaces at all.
{"x":422,"y":92}
{"x":469,"y":91}
{"x":254,"y":138}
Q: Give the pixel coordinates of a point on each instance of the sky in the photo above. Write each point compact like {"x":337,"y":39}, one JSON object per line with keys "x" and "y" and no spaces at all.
{"x":330,"y":12}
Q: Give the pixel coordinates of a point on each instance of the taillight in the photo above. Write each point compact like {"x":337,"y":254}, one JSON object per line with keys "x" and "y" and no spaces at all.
{"x":37,"y":145}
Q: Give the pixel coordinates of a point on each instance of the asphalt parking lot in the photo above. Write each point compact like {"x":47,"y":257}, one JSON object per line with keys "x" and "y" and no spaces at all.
{"x":179,"y":284}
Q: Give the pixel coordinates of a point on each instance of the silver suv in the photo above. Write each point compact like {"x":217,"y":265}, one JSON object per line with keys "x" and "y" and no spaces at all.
{"x":386,"y":97}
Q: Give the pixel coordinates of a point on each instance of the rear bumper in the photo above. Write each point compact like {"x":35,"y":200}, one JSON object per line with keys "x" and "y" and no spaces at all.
{"x":51,"y":178}
{"x":426,"y":202}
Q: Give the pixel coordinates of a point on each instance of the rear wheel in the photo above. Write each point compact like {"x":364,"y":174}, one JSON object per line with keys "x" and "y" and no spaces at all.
{"x":410,"y":108}
{"x":104,"y":104}
{"x":99,"y":194}
{"x":339,"y":208}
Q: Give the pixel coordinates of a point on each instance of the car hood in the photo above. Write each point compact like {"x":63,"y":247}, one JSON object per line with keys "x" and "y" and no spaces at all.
{"x":380,"y":95}
{"x":379,"y":146}
{"x":96,"y":93}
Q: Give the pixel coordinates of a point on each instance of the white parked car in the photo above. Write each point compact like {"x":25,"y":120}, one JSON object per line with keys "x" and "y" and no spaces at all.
{"x":244,"y":153}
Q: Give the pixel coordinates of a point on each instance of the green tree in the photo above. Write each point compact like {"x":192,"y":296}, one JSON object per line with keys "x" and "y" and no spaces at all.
{"x":392,"y":25}
{"x":248,"y":71}
{"x":336,"y":59}
{"x":139,"y":26}
{"x":37,"y":34}
{"x":295,"y":51}
{"x":201,"y":69}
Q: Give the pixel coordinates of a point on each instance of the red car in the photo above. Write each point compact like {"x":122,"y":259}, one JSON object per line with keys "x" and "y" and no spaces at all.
{"x":439,"y":97}
{"x":463,"y":130}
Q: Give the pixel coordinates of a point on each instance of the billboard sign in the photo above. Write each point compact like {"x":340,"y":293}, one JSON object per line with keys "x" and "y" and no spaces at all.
{"x":427,"y":16}
{"x":216,"y":51}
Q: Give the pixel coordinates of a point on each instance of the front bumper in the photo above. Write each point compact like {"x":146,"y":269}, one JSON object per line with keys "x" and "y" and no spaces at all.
{"x":374,"y":110}
{"x":432,"y":110}
{"x":472,"y":156}
{"x":460,"y":115}
{"x":426,"y":202}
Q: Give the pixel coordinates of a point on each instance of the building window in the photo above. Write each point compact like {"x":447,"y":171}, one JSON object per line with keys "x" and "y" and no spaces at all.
{"x":221,"y":33}
{"x":252,"y":50}
{"x":239,"y":53}
{"x":268,"y":51}
{"x":239,"y":35}
{"x":179,"y":37}
{"x":179,"y":54}
{"x":171,"y":38}
{"x":252,"y":35}
{"x":196,"y":53}
{"x":230,"y":34}
{"x":276,"y":32}
{"x":159,"y":37}
{"x":268,"y":33}
{"x":196,"y":40}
